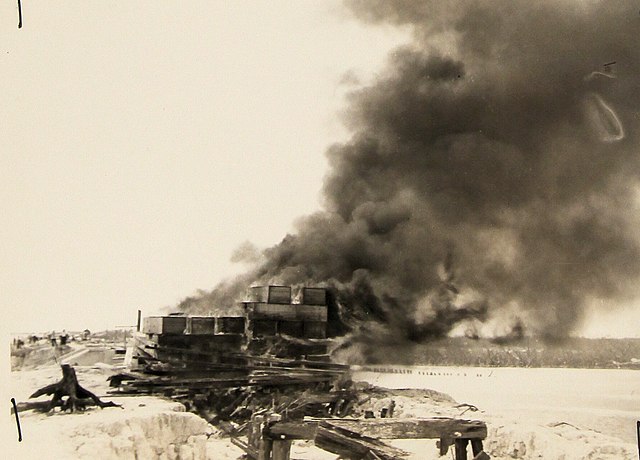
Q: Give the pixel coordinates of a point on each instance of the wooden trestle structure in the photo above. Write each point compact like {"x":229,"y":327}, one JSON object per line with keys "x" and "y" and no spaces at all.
{"x":270,"y":437}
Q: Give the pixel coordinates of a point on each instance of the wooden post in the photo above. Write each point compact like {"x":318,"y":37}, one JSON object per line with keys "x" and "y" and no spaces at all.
{"x":265,"y":447}
{"x":461,"y":449}
{"x":138,"y":323}
{"x":476,"y":446}
{"x":443,"y":444}
{"x":281,"y":450}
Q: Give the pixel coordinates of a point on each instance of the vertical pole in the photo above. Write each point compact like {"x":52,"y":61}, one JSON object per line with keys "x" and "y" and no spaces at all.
{"x":281,"y":450}
{"x":461,"y":449}
{"x":19,"y":18}
{"x":638,"y":430}
{"x":138,"y":323}
{"x":264,"y":448}
{"x":476,"y":446}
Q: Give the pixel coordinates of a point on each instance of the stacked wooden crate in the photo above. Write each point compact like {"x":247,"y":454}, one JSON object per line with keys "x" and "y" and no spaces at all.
{"x":270,"y":312}
{"x":271,"y":324}
{"x":188,"y":341}
{"x":274,"y":322}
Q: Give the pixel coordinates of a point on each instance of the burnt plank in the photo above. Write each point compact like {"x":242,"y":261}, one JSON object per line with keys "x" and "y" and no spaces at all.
{"x":293,"y":430}
{"x":429,"y":428}
{"x":350,"y":444}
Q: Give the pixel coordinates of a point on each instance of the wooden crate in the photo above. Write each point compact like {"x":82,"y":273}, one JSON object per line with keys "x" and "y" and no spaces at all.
{"x":212,"y":342}
{"x":312,"y":312}
{"x":291,"y":312}
{"x":230,"y":325}
{"x":292,"y":328}
{"x":270,"y":294}
{"x":315,"y":329}
{"x":201,"y":325}
{"x":263,"y":327}
{"x":314,"y":296}
{"x":164,"y":324}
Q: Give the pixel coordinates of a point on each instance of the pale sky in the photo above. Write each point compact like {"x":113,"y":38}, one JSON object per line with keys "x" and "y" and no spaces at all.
{"x":144,"y":141}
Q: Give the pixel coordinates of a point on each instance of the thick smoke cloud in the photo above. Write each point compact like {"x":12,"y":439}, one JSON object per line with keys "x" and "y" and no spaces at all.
{"x":492,"y":173}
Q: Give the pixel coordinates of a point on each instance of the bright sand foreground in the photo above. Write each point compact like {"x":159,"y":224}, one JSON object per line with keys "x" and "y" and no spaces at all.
{"x":531,"y":414}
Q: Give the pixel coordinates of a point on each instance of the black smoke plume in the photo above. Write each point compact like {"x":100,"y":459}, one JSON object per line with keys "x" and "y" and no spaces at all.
{"x":493,"y":168}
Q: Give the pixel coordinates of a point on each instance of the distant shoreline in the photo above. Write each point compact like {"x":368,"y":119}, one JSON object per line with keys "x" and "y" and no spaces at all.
{"x":574,"y":353}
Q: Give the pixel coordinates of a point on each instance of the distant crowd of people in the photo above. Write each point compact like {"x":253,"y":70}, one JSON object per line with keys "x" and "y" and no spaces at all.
{"x":55,"y":339}
{"x":63,"y":338}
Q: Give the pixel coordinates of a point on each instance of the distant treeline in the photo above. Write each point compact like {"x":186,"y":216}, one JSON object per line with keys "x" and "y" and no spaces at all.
{"x":527,"y":352}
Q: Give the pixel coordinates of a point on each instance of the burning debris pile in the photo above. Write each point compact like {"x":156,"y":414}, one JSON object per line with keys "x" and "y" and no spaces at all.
{"x":488,"y":178}
{"x":266,"y":379}
{"x":225,"y":367}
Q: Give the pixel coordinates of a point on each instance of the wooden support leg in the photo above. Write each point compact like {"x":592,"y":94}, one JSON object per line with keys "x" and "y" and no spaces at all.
{"x":443,"y":444}
{"x":265,"y":448}
{"x":461,"y":449}
{"x":281,"y":450}
{"x":476,"y":446}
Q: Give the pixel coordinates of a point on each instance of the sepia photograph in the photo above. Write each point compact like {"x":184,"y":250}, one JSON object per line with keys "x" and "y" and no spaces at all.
{"x":321,"y":229}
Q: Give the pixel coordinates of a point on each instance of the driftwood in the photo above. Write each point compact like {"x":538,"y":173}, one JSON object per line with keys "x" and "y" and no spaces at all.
{"x":78,"y":397}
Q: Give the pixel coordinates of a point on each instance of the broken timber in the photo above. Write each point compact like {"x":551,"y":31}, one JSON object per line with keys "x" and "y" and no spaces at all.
{"x":360,"y":438}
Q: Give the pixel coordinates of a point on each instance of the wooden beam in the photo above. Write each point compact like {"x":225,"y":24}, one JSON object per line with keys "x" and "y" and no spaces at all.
{"x":349,"y":444}
{"x":293,"y":430}
{"x":412,"y":428}
{"x":429,"y":428}
{"x":251,"y":452}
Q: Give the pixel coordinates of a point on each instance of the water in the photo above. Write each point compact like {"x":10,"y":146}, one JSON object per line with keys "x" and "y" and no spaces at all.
{"x":606,"y":400}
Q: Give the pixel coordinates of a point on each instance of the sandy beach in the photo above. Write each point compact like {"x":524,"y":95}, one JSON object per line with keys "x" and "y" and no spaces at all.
{"x":590,"y":414}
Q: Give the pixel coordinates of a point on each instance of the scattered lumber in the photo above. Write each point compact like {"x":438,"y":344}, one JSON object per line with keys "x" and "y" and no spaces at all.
{"x":77,"y":396}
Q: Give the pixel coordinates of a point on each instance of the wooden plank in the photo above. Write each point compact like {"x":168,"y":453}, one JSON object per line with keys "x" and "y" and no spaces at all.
{"x":296,"y":362}
{"x":431,"y":428}
{"x":408,"y":428}
{"x":349,"y":444}
{"x":290,"y":312}
{"x":251,"y":452}
{"x":293,"y":430}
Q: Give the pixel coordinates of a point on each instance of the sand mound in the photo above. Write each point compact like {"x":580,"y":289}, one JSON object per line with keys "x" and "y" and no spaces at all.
{"x":562,"y":442}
